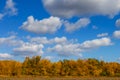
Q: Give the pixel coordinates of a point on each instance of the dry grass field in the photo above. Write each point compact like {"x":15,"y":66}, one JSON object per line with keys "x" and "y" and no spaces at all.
{"x":48,"y":78}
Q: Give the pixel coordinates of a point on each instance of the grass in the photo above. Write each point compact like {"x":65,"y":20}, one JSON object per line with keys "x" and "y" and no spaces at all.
{"x":58,"y":78}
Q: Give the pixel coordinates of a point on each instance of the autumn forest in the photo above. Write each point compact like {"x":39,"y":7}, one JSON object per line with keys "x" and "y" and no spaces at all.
{"x":36,"y":66}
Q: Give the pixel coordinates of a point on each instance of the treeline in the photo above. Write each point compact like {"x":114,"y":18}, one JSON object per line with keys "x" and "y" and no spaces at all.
{"x":36,"y":66}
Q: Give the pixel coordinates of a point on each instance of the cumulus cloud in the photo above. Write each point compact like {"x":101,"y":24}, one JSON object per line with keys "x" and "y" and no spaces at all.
{"x":60,"y":40}
{"x":45,"y":40}
{"x":61,"y":45}
{"x":29,"y":49}
{"x":102,"y":35}
{"x":20,"y":47}
{"x":49,"y":57}
{"x":69,"y":49}
{"x":66,"y":49}
{"x":5,"y":56}
{"x":1,"y":16}
{"x":9,"y":9}
{"x":40,"y":40}
{"x":81,"y":23}
{"x":70,"y":8}
{"x":10,"y":41}
{"x":96,"y":43}
{"x":118,"y":23}
{"x":32,"y":45}
{"x":118,"y":59}
{"x":116,"y":34}
{"x":12,"y":33}
{"x":35,"y":45}
{"x":49,"y":25}
{"x":94,"y":27}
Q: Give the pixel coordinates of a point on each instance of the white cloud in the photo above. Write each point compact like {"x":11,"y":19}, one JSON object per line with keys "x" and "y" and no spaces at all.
{"x":49,"y":25}
{"x":49,"y":57}
{"x":96,"y":43}
{"x":70,"y":8}
{"x":45,"y":40}
{"x":61,"y":45}
{"x":76,"y":49}
{"x":39,"y":40}
{"x":12,"y":33}
{"x":102,"y":35}
{"x":20,"y":47}
{"x":1,"y":16}
{"x":118,"y":23}
{"x":119,"y":59}
{"x":35,"y":45}
{"x":5,"y":56}
{"x":10,"y":41}
{"x":61,"y":40}
{"x":81,"y":23}
{"x":66,"y":49}
{"x":9,"y":9}
{"x":32,"y":45}
{"x":28,"y":49}
{"x":94,"y":27}
{"x":116,"y":34}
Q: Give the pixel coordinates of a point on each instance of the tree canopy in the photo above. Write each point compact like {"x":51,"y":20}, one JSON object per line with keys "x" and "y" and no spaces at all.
{"x":43,"y":67}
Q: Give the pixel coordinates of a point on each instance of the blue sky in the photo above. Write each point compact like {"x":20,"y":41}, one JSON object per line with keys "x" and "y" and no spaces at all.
{"x":60,"y":29}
